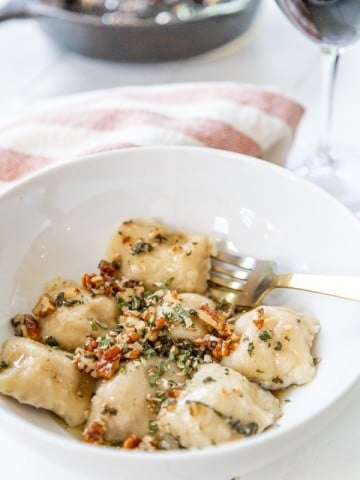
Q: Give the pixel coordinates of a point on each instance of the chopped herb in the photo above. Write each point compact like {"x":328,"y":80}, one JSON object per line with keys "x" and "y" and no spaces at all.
{"x":220,"y":303}
{"x":265,"y":335}
{"x":4,"y":364}
{"x":171,"y":383}
{"x":149,"y":295}
{"x":124,"y":347}
{"x":250,"y":348}
{"x":156,"y":373}
{"x":248,"y":429}
{"x":51,"y":341}
{"x":136,"y":303}
{"x":168,"y":401}
{"x":287,"y":400}
{"x":119,"y":328}
{"x":168,"y":282}
{"x":259,"y":371}
{"x":209,"y":380}
{"x":115,"y":264}
{"x":109,"y":410}
{"x":105,"y":342}
{"x":316,"y":361}
{"x":278,"y":346}
{"x":60,"y":301}
{"x":169,"y":316}
{"x":227,"y":371}
{"x":70,"y":357}
{"x":181,"y":312}
{"x":95,"y":324}
{"x":188,"y":253}
{"x":153,"y":428}
{"x":141,"y":247}
{"x":159,"y":237}
{"x":192,"y":311}
{"x":277,"y":380}
{"x":287,"y":338}
{"x":149,"y":352}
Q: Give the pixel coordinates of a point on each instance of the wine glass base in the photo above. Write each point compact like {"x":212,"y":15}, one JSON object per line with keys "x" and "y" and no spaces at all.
{"x":342,"y":179}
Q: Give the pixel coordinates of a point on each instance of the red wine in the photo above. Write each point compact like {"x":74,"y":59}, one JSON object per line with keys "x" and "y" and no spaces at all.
{"x":330,"y":22}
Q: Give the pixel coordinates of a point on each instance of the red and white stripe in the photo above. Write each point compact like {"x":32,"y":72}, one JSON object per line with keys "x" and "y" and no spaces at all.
{"x":230,"y":116}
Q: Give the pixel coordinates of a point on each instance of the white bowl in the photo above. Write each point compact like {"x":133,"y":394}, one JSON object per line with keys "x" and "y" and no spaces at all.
{"x":58,"y":222}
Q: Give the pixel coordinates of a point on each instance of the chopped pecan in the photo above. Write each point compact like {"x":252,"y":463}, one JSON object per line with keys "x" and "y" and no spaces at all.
{"x":44,"y":307}
{"x":109,"y":362}
{"x":94,"y":433}
{"x":173,"y":392}
{"x":134,"y":353}
{"x":209,"y":315}
{"x":97,"y":281}
{"x":26,"y":326}
{"x":107,"y":269}
{"x":86,"y":280}
{"x":158,"y":324}
{"x":259,"y":322}
{"x":131,"y":442}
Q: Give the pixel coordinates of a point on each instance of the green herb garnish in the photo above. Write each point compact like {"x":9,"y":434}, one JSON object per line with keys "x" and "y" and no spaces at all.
{"x":277,"y":380}
{"x":60,"y":301}
{"x":109,"y":410}
{"x":141,"y":247}
{"x":265,"y":335}
{"x":51,"y":341}
{"x":209,"y":380}
{"x":243,"y":429}
{"x":250,"y":348}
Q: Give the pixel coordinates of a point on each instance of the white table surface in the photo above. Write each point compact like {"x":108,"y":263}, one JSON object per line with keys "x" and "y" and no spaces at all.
{"x":33,"y":68}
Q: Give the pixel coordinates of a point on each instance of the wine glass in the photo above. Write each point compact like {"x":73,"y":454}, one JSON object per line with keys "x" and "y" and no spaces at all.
{"x":334,"y":24}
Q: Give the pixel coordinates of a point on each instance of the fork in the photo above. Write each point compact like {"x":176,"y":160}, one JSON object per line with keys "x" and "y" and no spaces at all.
{"x":245,"y":281}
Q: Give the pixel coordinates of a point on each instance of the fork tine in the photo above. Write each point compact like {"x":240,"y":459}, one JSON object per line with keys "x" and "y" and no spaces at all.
{"x":247,"y":263}
{"x":230,"y":296}
{"x":226,"y":281}
{"x":229,"y":269}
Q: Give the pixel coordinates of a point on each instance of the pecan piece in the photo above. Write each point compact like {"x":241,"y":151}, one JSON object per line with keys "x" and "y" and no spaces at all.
{"x":132,"y":441}
{"x":44,"y":307}
{"x":26,"y":326}
{"x":94,"y":433}
{"x":109,"y":362}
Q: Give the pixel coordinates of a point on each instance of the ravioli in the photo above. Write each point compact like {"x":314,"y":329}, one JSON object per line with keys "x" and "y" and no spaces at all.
{"x":218,"y":405}
{"x":151,"y":253}
{"x":45,"y":377}
{"x":275,"y":347}
{"x":120,"y":404}
{"x":77,"y":316}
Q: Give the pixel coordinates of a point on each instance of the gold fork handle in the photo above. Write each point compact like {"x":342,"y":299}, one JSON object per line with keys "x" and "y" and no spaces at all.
{"x":344,"y":287}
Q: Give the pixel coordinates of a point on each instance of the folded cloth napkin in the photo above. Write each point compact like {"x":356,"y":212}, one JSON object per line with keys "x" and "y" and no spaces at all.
{"x":231,"y":116}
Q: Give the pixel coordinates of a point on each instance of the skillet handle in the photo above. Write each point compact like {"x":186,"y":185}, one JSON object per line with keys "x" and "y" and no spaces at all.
{"x":14,"y":9}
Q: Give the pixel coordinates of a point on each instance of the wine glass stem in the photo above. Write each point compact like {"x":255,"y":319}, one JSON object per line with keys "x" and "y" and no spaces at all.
{"x":330,"y":60}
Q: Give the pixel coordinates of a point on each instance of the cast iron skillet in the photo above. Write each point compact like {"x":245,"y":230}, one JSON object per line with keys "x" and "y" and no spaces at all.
{"x":141,"y":41}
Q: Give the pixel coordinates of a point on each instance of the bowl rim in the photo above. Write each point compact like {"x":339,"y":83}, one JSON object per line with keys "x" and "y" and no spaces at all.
{"x":266,"y":437}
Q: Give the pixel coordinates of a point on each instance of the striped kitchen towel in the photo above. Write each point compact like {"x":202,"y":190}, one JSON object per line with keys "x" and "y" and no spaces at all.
{"x":231,"y":116}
